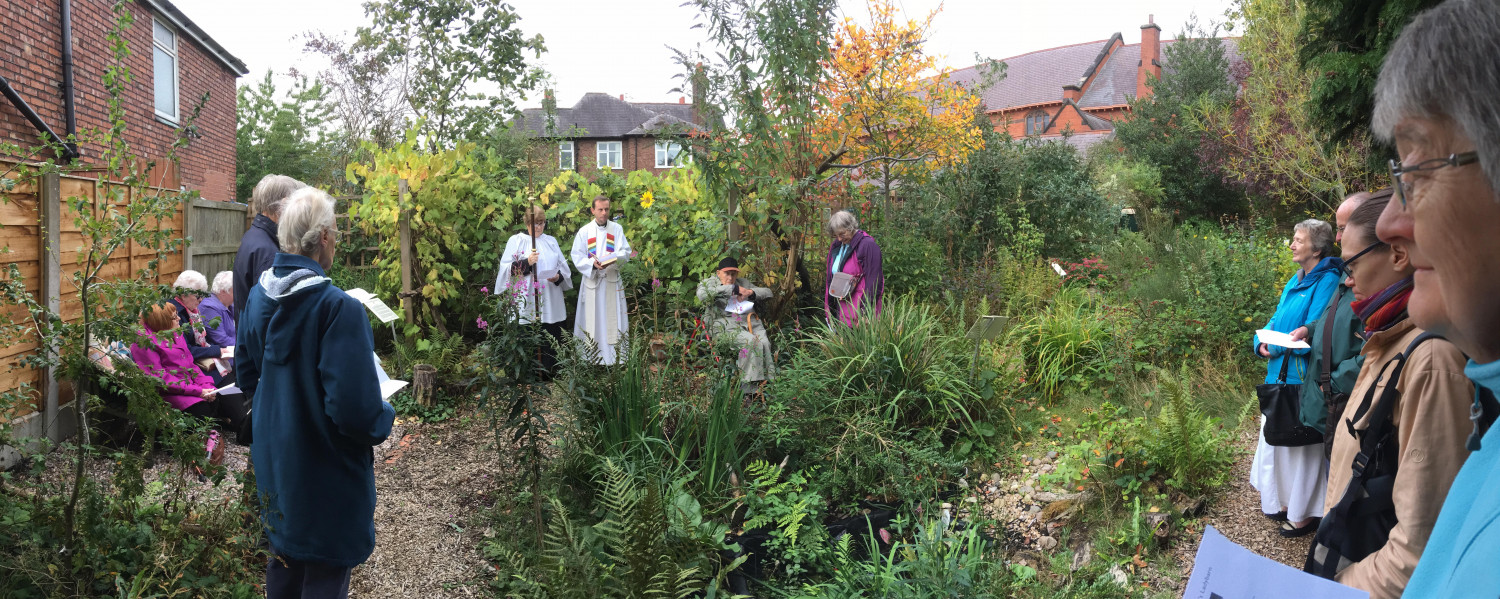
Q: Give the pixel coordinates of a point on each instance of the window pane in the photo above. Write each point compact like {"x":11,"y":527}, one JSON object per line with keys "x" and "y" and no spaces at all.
{"x":164,"y":76}
{"x":164,"y":36}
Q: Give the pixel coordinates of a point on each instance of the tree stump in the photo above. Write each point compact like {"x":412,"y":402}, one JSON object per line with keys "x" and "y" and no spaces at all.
{"x":423,"y":382}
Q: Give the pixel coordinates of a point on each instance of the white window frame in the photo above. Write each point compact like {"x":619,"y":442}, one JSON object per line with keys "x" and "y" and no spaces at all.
{"x":176,"y":70}
{"x":664,"y":149}
{"x":618,"y":153}
{"x":566,"y":148}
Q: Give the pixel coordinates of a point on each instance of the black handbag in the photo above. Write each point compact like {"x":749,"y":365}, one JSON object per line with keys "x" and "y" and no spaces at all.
{"x":1281,"y":404}
{"x":1361,"y":522}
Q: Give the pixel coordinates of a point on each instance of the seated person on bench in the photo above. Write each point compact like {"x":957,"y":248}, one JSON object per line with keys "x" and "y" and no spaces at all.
{"x":162,"y":352}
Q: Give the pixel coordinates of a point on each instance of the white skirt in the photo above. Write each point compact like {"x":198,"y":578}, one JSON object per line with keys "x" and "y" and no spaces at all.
{"x":1294,"y":478}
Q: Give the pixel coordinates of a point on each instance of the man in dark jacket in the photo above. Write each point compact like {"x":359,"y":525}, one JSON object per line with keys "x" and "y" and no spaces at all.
{"x":259,"y":246}
{"x":305,"y":353}
{"x":1335,"y":343}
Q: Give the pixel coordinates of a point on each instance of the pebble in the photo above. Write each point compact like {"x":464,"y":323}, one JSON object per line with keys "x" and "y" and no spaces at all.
{"x":1036,"y":509}
{"x":1051,"y":455}
{"x":1027,"y":490}
{"x":1046,"y":543}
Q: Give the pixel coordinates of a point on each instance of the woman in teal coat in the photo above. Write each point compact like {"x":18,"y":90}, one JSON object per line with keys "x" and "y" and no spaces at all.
{"x":1292,"y":480}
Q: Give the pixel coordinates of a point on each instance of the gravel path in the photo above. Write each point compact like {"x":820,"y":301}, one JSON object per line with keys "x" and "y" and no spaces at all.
{"x":432,"y":483}
{"x":1237,"y":515}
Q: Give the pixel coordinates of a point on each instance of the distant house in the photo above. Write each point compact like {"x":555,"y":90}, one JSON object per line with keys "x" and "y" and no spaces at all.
{"x":1079,"y":89}
{"x":604,"y":131}
{"x":173,"y":63}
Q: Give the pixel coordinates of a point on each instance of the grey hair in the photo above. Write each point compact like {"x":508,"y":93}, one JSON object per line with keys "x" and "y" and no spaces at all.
{"x":191,"y":279}
{"x":1319,"y":234}
{"x":224,"y":281}
{"x":842,"y":221}
{"x":304,"y":217}
{"x":1443,"y":67}
{"x":271,"y":192}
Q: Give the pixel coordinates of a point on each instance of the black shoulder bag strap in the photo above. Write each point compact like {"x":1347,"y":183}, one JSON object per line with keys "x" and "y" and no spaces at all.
{"x":1364,"y":497}
{"x":1325,"y":377}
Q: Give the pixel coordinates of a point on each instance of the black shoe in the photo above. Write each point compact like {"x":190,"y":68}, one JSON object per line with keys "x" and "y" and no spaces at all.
{"x":1276,"y":517}
{"x":1292,"y":532}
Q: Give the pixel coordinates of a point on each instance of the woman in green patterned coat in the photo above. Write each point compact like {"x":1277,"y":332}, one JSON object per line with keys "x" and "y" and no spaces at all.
{"x":724,"y":295}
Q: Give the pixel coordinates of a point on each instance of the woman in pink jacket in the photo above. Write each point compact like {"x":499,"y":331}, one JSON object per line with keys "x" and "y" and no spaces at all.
{"x":162,"y":352}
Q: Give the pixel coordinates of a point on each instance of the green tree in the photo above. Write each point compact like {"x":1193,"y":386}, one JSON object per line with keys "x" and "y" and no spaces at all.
{"x":445,"y":51}
{"x":768,"y":79}
{"x":1032,"y":197}
{"x":1343,"y":43}
{"x":284,"y":136}
{"x":1265,"y":139}
{"x":1160,"y":132}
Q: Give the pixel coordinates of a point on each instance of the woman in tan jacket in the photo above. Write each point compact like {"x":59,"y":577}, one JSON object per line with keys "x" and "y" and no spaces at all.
{"x":1431,"y":419}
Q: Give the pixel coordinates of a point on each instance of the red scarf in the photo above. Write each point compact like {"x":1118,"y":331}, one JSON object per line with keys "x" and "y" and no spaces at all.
{"x":1384,"y":309}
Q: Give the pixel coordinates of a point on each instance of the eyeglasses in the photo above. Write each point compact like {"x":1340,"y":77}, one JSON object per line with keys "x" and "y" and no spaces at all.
{"x":1344,"y":268}
{"x":1403,"y":189}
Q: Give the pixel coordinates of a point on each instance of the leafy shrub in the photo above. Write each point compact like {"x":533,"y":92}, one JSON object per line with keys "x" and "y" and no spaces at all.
{"x":782,"y":504}
{"x":934,"y":561}
{"x":912,"y":263}
{"x":650,"y":540}
{"x":1064,"y":345}
{"x":902,"y":361}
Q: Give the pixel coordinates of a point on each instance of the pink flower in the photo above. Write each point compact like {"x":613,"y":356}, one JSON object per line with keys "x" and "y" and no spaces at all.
{"x":656,"y":283}
{"x":485,"y":289}
{"x":481,"y":323}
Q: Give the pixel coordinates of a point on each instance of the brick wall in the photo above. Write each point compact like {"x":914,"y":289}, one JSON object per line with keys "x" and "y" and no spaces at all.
{"x":636,"y":154}
{"x":31,"y":58}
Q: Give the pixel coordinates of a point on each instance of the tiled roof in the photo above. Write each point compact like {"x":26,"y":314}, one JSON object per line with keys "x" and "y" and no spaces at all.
{"x":603,"y":115}
{"x":1038,"y":77}
{"x":1035,"y":77}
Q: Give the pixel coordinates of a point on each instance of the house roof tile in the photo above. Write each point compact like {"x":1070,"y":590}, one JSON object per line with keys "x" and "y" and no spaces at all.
{"x":599,"y":115}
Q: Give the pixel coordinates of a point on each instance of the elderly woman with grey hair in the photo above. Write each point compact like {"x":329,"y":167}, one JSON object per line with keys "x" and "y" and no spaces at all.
{"x":1292,"y":480}
{"x":213,"y":357}
{"x":1436,"y":101}
{"x":855,"y":280}
{"x":217,"y":309}
{"x":307,"y":357}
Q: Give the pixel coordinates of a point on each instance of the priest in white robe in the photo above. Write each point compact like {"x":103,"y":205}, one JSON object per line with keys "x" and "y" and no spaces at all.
{"x":529,"y":251}
{"x":599,"y":251}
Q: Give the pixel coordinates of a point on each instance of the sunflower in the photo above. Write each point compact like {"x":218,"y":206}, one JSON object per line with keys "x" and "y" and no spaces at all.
{"x":647,"y":199}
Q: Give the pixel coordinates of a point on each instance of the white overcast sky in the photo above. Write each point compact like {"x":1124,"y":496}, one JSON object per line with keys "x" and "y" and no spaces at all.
{"x":620,"y":47}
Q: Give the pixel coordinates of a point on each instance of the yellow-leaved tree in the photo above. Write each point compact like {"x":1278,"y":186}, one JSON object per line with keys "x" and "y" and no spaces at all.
{"x":892,"y":107}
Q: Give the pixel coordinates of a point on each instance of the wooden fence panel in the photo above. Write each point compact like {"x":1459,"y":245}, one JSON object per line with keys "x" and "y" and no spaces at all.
{"x":216,"y":229}
{"x":23,"y":244}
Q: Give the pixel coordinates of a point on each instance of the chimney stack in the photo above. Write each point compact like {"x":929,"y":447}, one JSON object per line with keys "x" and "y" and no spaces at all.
{"x":681,"y":100}
{"x":1150,"y":56}
{"x":622,"y":97}
{"x":1072,"y":92}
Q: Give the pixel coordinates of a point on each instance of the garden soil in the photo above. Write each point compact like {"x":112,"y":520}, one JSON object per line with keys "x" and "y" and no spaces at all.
{"x":433,"y":483}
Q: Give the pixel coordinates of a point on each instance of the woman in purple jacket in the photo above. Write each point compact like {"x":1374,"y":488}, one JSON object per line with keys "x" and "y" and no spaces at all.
{"x":162,"y":352}
{"x":853,"y":253}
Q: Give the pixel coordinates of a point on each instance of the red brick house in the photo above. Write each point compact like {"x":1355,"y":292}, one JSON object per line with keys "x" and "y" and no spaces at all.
{"x":604,"y":131}
{"x":1078,"y":89}
{"x":173,"y":64}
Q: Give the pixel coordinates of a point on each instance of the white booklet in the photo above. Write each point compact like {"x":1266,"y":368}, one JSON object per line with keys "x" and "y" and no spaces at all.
{"x":736,"y":306}
{"x":1225,"y":570}
{"x":382,"y":311}
{"x":1278,"y":339}
{"x":388,"y":385}
{"x":843,"y":284}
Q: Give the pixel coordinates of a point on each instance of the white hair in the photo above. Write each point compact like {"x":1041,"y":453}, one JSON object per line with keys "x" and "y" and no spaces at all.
{"x":1443,"y":66}
{"x":304,"y":217}
{"x":191,"y":279}
{"x":842,"y":221}
{"x":1319,"y":234}
{"x":271,"y":191}
{"x":224,"y":281}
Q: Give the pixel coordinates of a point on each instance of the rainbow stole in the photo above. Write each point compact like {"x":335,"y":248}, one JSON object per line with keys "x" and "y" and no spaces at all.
{"x":609,"y":244}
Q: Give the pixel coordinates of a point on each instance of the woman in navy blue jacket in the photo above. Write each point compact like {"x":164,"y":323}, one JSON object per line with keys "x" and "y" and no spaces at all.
{"x":306,"y":356}
{"x":1292,"y":480}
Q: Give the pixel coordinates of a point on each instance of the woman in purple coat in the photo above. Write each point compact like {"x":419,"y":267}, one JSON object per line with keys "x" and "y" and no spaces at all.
{"x":162,"y":352}
{"x":855,"y":280}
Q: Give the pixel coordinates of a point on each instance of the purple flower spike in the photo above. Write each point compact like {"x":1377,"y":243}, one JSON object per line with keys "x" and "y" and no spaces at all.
{"x":481,"y":323}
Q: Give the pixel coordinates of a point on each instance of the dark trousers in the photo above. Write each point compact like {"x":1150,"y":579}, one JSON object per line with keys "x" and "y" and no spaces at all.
{"x":554,"y":333}
{"x":291,"y":579}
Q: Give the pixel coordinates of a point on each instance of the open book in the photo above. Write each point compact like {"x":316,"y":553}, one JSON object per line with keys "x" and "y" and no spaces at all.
{"x":843,"y":284}
{"x":738,"y":306}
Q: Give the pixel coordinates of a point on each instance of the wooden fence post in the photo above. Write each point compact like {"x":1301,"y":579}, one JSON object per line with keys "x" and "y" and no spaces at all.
{"x":49,"y":209}
{"x":404,"y":228}
{"x":189,"y":229}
